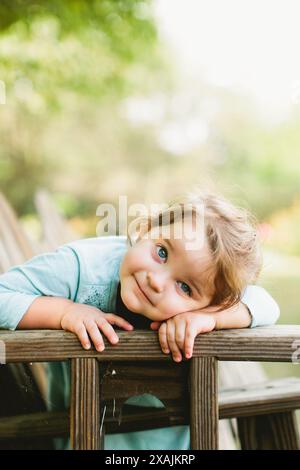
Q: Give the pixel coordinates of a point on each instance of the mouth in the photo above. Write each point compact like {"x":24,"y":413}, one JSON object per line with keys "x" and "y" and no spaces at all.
{"x":142,"y":292}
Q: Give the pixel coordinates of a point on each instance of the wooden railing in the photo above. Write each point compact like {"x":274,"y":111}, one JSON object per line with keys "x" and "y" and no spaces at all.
{"x":280,"y":343}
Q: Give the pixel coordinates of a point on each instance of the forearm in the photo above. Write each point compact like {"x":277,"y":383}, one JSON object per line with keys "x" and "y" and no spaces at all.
{"x":45,"y":313}
{"x":237,"y":316}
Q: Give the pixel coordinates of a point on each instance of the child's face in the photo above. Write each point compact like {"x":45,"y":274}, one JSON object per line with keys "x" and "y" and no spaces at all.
{"x":160,"y":278}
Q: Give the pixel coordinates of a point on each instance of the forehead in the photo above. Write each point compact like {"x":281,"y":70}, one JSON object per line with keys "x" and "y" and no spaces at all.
{"x":194,"y":255}
{"x":189,"y":243}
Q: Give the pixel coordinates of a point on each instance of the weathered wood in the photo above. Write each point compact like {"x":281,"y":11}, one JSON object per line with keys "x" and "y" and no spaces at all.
{"x":257,"y":399}
{"x":85,"y":405}
{"x":273,"y":343}
{"x":19,"y":394}
{"x":16,"y":248}
{"x":285,"y":393}
{"x":17,"y":244}
{"x":44,"y":424}
{"x":165,"y":380}
{"x":204,"y":403}
{"x":56,"y":230}
{"x":231,"y":375}
{"x":237,"y":374}
{"x":269,"y":432}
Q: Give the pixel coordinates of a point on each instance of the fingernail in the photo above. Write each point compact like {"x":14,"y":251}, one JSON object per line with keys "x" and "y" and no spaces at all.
{"x":100,"y":348}
{"x":188,"y":355}
{"x":87,"y":346}
{"x":166,"y":351}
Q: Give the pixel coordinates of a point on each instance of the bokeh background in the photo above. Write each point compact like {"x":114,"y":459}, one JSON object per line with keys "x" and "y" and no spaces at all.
{"x":147,"y":98}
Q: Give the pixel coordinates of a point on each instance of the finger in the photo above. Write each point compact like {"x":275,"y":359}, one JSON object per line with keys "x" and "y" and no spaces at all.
{"x":190,"y":336}
{"x":180,"y":334}
{"x":82,"y":335}
{"x":155,"y":325}
{"x":119,"y":321}
{"x":176,"y":354}
{"x":107,"y":330}
{"x":95,"y":335}
{"x":162,"y":336}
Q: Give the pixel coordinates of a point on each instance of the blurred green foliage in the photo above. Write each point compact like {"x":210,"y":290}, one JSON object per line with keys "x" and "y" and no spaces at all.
{"x":80,"y":47}
{"x":58,"y":60}
{"x":69,"y":68}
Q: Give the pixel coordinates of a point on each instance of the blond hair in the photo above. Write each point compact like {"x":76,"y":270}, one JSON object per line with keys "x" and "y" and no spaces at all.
{"x":232,"y":238}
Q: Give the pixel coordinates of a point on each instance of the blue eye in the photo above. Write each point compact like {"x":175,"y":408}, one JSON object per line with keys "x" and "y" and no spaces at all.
{"x":162,"y":252}
{"x":186,"y":289}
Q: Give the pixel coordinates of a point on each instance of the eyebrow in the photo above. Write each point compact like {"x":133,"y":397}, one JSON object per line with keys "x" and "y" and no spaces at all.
{"x":169,"y":243}
{"x":197,"y":288}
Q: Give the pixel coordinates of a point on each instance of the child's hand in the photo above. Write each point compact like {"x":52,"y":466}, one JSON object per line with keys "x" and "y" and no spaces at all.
{"x":87,"y":322}
{"x":179,"y":332}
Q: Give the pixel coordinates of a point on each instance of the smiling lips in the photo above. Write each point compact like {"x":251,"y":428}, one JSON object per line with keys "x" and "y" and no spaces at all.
{"x":147,"y":298}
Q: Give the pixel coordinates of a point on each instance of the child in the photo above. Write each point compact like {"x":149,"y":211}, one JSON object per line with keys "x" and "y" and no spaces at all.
{"x":181,"y":290}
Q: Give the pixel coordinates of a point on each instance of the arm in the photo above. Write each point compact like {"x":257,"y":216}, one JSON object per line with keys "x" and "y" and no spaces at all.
{"x":41,"y":293}
{"x":54,"y":274}
{"x":257,"y":308}
{"x":45,"y":313}
{"x":83,"y":320}
{"x":238,"y":316}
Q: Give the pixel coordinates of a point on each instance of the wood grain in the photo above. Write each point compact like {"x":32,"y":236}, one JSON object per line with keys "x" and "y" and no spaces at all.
{"x":204,"y":417}
{"x":85,"y":405}
{"x":273,"y":343}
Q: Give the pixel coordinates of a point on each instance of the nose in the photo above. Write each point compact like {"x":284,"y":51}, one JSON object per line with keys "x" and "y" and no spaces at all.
{"x":156,"y":281}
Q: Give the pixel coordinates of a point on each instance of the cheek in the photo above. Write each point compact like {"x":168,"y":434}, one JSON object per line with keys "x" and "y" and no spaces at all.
{"x":135,"y":260}
{"x":172,"y":305}
{"x":128,"y":264}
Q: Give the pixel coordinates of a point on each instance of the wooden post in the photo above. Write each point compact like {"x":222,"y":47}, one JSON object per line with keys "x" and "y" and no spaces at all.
{"x":85,"y":405}
{"x":276,"y":431}
{"x":204,"y":415}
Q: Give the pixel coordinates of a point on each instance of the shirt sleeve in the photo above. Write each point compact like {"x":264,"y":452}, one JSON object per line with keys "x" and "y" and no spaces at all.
{"x":53,"y":274}
{"x":263,"y":308}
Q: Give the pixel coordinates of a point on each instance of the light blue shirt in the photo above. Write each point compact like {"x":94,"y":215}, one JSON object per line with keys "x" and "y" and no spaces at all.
{"x":87,"y":271}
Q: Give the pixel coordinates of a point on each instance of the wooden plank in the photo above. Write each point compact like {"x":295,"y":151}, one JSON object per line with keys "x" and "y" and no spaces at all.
{"x":85,"y":405}
{"x":134,"y":418}
{"x":165,"y":380}
{"x":274,"y":343}
{"x":278,"y":431}
{"x":236,"y":374}
{"x":11,"y":232}
{"x":56,"y":229}
{"x":266,"y":398}
{"x":43,"y":424}
{"x":204,"y":403}
{"x":16,"y":248}
{"x":284,"y":393}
